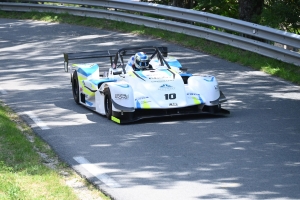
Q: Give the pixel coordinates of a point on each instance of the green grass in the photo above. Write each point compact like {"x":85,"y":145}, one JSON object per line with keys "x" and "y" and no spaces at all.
{"x":271,"y":66}
{"x":23,"y":174}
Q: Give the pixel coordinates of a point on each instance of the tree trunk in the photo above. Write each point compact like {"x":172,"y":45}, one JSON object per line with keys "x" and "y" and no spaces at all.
{"x":249,"y":10}
{"x":183,"y":3}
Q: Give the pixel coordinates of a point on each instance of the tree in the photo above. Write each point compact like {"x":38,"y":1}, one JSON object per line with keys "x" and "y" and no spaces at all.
{"x":282,"y":14}
{"x":189,"y":4}
{"x":250,"y":10}
{"x":228,"y":8}
{"x":183,"y":3}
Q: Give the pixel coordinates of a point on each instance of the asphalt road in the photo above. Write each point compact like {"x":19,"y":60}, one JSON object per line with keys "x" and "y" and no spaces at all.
{"x":252,"y":154}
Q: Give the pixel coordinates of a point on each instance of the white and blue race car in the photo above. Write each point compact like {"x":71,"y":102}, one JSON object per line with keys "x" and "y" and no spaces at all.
{"x":125,"y":95}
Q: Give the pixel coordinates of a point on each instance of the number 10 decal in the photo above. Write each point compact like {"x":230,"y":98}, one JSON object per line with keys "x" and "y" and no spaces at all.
{"x":170,"y":96}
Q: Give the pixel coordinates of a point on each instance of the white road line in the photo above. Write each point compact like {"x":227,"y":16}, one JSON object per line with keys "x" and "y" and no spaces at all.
{"x":2,"y":91}
{"x":37,"y":120}
{"x":94,"y":170}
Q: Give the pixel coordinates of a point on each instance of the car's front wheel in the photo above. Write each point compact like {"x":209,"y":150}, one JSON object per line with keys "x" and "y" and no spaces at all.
{"x":107,"y":103}
{"x":75,"y":87}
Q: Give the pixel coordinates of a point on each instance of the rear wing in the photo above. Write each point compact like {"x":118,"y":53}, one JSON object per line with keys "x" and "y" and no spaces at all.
{"x":110,"y":54}
{"x":147,"y":49}
{"x":86,"y":55}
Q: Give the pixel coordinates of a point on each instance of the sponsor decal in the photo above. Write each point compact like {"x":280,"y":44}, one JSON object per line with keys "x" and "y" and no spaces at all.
{"x":194,"y":94}
{"x":145,"y":102}
{"x":158,"y":77}
{"x":166,"y":87}
{"x":141,"y":98}
{"x":163,"y":80}
{"x":121,"y":96}
{"x":173,"y":104}
{"x":216,"y":87}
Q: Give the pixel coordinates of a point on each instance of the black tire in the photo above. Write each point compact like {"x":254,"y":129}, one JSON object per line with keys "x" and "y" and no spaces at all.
{"x":107,"y":103}
{"x":75,"y":87}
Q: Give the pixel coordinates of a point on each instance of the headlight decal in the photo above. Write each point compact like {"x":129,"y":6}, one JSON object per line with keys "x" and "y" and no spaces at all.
{"x":196,"y":98}
{"x":143,"y":104}
{"x":209,"y":78}
{"x":196,"y":101}
{"x":124,"y":86}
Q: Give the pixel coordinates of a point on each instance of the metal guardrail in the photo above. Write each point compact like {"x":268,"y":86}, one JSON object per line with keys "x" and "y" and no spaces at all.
{"x":130,"y":11}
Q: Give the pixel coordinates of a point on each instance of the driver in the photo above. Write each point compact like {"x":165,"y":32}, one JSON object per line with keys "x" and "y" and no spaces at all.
{"x":140,"y":61}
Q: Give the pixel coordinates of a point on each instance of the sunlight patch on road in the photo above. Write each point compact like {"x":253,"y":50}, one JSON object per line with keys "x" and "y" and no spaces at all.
{"x":97,"y":172}
{"x":2,"y":91}
{"x":37,"y":120}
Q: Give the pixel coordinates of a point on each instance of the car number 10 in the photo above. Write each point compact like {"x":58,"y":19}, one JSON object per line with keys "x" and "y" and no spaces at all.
{"x":170,"y":96}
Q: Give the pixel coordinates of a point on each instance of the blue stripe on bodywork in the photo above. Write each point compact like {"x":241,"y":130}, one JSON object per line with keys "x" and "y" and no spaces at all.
{"x":175,"y":63}
{"x":167,"y":72}
{"x":140,"y":73}
{"x":88,"y":71}
{"x":97,"y":81}
{"x":88,"y":103}
{"x":200,"y":99}
{"x":138,"y":105}
{"x":189,"y":75}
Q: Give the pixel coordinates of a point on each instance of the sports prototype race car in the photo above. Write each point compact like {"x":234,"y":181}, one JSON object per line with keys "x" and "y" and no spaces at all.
{"x":141,"y":82}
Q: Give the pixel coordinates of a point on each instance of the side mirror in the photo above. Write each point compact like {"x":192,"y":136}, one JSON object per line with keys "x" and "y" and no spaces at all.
{"x":66,"y":66}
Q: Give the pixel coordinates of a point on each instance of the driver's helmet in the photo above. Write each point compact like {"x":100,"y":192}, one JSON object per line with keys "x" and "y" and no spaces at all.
{"x":141,"y":60}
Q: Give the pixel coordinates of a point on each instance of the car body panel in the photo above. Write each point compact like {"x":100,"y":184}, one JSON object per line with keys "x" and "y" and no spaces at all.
{"x":165,"y":89}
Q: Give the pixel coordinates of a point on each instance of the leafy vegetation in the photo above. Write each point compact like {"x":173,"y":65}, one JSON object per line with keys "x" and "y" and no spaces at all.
{"x":22,"y":172}
{"x":274,"y":67}
{"x":280,"y":14}
{"x":287,"y":15}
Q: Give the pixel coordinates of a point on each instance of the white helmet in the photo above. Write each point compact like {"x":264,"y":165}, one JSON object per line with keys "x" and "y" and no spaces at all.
{"x":141,"y":60}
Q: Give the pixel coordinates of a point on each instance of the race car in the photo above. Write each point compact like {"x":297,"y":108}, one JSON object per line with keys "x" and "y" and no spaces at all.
{"x":159,"y":87}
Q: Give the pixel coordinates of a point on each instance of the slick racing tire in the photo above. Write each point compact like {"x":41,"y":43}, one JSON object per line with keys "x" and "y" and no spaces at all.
{"x":107,"y":103}
{"x":75,"y":87}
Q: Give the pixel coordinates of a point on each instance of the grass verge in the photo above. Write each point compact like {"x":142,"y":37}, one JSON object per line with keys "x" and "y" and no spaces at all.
{"x":23,"y":175}
{"x":24,"y":165}
{"x":271,"y":66}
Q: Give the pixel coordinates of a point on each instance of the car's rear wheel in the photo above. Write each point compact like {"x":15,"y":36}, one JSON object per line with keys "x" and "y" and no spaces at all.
{"x":75,"y":87}
{"x":107,"y":103}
